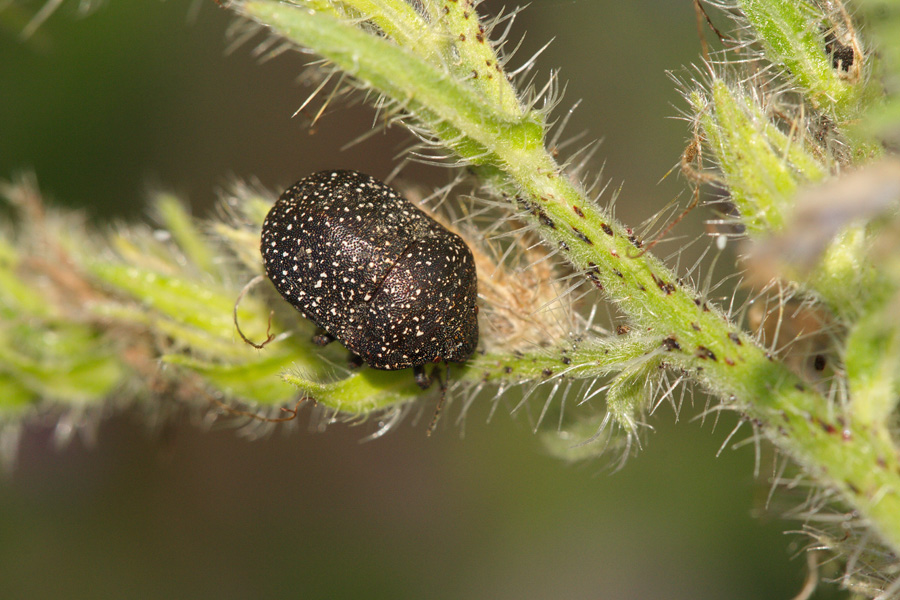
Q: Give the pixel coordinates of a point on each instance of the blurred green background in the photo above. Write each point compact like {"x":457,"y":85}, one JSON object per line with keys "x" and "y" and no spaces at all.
{"x":138,"y":96}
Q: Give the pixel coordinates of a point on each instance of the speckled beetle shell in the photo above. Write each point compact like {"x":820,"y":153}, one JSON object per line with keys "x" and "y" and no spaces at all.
{"x":372,"y":270}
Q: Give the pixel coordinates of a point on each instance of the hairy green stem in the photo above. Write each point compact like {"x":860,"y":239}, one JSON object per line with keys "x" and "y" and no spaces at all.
{"x":82,"y":319}
{"x":854,"y":459}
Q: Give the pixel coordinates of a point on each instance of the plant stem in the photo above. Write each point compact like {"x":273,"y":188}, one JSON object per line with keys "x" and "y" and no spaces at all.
{"x":855,"y":460}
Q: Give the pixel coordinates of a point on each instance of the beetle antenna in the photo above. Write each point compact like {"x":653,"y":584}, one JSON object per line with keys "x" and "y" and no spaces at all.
{"x":269,"y":335}
{"x":292,"y":413}
{"x":443,"y":385}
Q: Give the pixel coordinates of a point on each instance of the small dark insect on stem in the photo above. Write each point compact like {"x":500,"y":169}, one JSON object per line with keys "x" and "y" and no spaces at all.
{"x":848,"y":56}
{"x":269,"y":335}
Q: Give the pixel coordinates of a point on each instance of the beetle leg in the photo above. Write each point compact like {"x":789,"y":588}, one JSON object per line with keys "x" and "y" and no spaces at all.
{"x":422,"y":378}
{"x":269,"y":335}
{"x":440,"y":404}
{"x":322,"y":338}
{"x":355,"y":362}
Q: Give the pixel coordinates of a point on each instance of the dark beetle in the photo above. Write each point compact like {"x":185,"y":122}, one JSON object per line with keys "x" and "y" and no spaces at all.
{"x":372,"y":270}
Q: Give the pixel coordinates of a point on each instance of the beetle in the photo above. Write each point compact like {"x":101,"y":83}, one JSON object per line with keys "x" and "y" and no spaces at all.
{"x":372,"y":271}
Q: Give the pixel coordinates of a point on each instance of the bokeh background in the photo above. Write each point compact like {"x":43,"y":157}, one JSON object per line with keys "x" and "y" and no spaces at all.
{"x":138,"y":96}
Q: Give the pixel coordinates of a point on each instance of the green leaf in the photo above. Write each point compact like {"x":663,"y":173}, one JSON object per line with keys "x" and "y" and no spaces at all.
{"x":208,"y":307}
{"x":257,"y":381}
{"x":362,"y":392}
{"x":187,"y":235}
{"x":762,"y":166}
